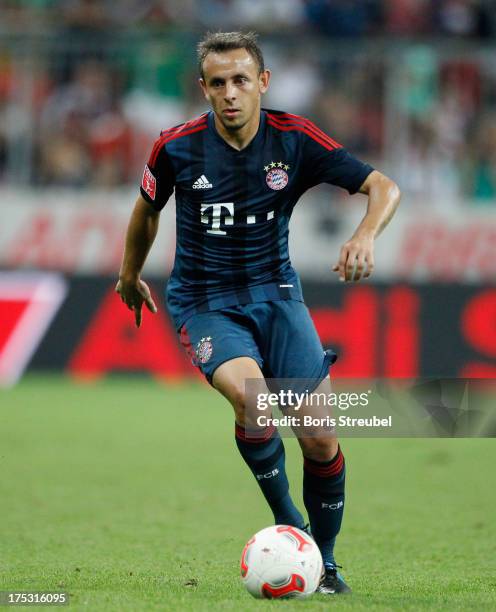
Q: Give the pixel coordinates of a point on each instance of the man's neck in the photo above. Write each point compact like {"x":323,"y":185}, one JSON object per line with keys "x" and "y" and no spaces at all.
{"x":241,"y":138}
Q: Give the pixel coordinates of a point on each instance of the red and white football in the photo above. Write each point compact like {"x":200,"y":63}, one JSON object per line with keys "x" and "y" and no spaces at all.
{"x":280,"y":562}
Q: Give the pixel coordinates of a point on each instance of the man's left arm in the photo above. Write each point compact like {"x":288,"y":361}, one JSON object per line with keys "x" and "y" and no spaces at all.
{"x":356,"y":259}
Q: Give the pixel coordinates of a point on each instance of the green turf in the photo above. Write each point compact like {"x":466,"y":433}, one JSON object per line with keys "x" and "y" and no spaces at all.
{"x":130,"y":495}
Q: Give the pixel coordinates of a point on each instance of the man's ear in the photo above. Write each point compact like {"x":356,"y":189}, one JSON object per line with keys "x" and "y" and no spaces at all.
{"x":203,"y":88}
{"x":263,"y":81}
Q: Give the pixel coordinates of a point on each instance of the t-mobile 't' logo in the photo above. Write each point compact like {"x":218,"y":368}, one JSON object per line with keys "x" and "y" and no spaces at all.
{"x":217,"y":214}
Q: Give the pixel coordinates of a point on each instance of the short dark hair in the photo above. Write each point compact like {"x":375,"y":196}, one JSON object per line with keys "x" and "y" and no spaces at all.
{"x":218,"y":42}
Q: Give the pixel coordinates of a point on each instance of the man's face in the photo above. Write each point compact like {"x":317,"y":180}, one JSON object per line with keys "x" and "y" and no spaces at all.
{"x":232,"y":85}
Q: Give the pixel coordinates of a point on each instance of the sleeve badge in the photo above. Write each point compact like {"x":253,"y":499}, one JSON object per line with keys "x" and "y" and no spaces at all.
{"x":149,"y":183}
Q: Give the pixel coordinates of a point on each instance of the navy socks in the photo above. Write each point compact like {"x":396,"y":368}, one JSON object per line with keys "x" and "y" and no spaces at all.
{"x":323,"y":486}
{"x":263,"y":451}
{"x":323,"y":494}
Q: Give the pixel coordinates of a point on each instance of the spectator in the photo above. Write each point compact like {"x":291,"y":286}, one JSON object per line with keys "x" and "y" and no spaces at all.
{"x":480,"y":163}
{"x":82,"y":122}
{"x":269,"y":14}
{"x":343,"y":17}
{"x":295,"y":72}
{"x":410,"y":17}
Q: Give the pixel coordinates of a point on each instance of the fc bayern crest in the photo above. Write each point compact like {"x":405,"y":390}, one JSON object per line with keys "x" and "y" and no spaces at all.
{"x":277,"y":179}
{"x":277,"y":176}
{"x":204,"y":350}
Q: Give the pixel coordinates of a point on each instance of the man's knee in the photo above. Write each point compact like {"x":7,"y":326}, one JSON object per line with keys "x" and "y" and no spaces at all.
{"x":237,"y":398}
{"x":319,"y":448}
{"x":230,"y":379}
{"x":235,"y":393}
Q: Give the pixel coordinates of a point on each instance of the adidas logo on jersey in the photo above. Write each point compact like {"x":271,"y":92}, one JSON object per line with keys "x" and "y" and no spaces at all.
{"x":202,"y":183}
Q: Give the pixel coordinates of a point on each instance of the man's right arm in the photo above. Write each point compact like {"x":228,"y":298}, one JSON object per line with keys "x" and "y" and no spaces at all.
{"x":141,"y":232}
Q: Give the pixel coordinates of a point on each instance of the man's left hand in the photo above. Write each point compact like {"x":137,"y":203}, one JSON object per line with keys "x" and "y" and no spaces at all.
{"x":356,"y":259}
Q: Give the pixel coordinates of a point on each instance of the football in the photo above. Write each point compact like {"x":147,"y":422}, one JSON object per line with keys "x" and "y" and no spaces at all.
{"x":280,"y":562}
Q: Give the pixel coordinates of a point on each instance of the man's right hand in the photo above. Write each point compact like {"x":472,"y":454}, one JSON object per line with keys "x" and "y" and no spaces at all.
{"x":133,"y":294}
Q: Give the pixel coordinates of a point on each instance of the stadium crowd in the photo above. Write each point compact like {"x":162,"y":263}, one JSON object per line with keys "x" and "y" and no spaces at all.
{"x":473,"y":18}
{"x":89,"y":84}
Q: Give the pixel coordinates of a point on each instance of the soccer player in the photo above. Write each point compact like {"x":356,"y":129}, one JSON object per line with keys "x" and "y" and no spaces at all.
{"x":237,"y":172}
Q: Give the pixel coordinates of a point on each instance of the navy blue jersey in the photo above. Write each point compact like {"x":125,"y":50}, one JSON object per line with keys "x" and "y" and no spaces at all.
{"x":233,"y":207}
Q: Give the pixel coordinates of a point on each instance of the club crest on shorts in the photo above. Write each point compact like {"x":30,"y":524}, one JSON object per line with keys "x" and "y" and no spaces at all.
{"x":277,"y":176}
{"x":204,"y":349}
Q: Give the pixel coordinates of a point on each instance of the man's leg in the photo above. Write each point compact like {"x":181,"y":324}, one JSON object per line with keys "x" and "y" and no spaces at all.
{"x":294,"y":351}
{"x":323,"y":478}
{"x":261,"y":448}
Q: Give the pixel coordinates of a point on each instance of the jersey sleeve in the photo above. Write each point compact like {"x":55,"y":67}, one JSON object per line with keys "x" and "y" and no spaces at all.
{"x":326,"y":161}
{"x":157,"y":183}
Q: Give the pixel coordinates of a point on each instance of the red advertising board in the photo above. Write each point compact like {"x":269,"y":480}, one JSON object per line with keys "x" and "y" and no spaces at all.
{"x":377,"y":331}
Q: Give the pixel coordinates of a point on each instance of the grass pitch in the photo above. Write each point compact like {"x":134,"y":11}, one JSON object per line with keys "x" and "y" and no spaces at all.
{"x":131,"y":495}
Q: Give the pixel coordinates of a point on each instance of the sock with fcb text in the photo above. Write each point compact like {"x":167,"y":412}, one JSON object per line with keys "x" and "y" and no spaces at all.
{"x":323,"y":494}
{"x":263,"y":452}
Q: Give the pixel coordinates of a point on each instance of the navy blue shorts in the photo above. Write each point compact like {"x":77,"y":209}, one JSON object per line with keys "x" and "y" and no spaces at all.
{"x":280,"y":336}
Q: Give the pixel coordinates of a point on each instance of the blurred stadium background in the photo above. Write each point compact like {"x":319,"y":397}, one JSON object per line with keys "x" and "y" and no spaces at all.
{"x":410,"y":86}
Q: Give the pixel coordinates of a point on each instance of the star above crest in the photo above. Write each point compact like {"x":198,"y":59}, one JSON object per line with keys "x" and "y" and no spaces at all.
{"x":274,"y":164}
